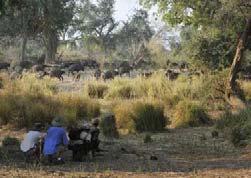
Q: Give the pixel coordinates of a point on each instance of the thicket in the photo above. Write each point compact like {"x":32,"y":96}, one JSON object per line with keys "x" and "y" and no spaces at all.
{"x":189,"y":114}
{"x":236,"y":127}
{"x":140,"y":117}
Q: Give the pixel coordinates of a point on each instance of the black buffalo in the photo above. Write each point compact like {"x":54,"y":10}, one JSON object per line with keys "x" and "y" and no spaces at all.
{"x":4,"y":65}
{"x":57,"y":73}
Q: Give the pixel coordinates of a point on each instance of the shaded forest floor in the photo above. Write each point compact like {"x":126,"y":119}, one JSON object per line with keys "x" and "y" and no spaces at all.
{"x":179,"y":153}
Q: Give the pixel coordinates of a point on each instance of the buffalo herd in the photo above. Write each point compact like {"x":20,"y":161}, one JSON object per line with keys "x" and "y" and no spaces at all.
{"x":105,"y":71}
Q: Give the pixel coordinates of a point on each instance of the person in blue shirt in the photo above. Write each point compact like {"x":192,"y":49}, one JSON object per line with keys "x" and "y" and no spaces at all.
{"x":55,"y":142}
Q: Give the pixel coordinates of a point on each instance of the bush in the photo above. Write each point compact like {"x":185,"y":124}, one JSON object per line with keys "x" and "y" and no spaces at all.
{"x":189,"y":114}
{"x":236,"y":127}
{"x":140,"y":117}
{"x":123,"y":117}
{"x":10,"y":141}
{"x":108,"y":126}
{"x":24,"y":110}
{"x":148,"y":117}
{"x":96,"y":90}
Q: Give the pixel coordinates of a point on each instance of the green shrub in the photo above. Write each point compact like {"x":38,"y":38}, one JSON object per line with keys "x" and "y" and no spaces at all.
{"x":189,"y":114}
{"x":24,"y":110}
{"x":236,"y":127}
{"x":96,"y":90}
{"x":108,"y":126}
{"x":148,"y":117}
{"x":139,"y":117}
{"x":10,"y":141}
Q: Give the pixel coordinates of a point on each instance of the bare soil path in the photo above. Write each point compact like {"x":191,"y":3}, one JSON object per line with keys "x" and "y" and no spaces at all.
{"x":178,"y":153}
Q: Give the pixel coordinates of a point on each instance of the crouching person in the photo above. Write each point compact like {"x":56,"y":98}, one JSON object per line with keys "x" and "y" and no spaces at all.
{"x":84,"y":140}
{"x":31,"y":145}
{"x":80,"y":142}
{"x":55,"y":142}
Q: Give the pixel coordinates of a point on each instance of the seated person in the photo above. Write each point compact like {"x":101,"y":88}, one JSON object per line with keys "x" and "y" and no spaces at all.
{"x":55,"y":142}
{"x":80,"y":139}
{"x":31,"y":146}
{"x":83,"y":140}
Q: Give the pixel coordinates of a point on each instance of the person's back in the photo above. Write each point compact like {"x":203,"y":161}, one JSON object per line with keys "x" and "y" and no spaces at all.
{"x":30,"y":140}
{"x":30,"y":146}
{"x":55,"y":137}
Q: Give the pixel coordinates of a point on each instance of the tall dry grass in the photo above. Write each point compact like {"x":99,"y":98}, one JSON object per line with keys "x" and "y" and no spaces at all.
{"x":30,"y":100}
{"x":246,"y":86}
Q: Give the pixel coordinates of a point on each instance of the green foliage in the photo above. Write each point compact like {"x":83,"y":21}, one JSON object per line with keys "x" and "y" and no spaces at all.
{"x":140,"y":117}
{"x":108,"y":126}
{"x":189,"y":114}
{"x":210,"y":30}
{"x":211,"y":49}
{"x":236,"y":127}
{"x":132,"y":37}
{"x":159,"y":54}
{"x":28,"y":18}
{"x":148,"y":117}
{"x":10,"y":141}
{"x":96,"y":23}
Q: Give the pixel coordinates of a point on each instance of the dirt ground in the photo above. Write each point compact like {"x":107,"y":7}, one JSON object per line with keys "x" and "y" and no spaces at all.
{"x":176,"y":153}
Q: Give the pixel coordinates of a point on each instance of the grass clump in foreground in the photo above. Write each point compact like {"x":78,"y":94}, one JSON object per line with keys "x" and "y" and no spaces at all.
{"x":149,"y":117}
{"x":236,"y":127}
{"x":140,"y":117}
{"x":189,"y":114}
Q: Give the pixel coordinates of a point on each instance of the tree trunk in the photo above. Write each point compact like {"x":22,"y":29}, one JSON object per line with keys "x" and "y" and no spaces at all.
{"x":23,"y":47}
{"x":51,"y":41}
{"x":233,"y":91}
